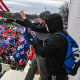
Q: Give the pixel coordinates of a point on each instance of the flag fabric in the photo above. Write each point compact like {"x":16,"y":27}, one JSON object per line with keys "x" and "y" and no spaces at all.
{"x":20,"y":52}
{"x":0,"y":30}
{"x":7,"y":41}
{"x":25,"y":37}
{"x":1,"y":39}
{"x":3,"y":7}
{"x":3,"y":43}
{"x":9,"y":33}
{"x":12,"y":41}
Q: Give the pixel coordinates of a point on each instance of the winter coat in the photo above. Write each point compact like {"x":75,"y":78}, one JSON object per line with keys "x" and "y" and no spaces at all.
{"x":34,"y":26}
{"x":54,"y":51}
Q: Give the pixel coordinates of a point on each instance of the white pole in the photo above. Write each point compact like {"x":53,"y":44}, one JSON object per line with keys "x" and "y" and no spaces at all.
{"x":74,"y":27}
{"x":74,"y":20}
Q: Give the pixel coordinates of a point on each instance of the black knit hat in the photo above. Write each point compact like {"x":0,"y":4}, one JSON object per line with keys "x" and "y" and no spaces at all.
{"x":44,"y":15}
{"x":54,"y":22}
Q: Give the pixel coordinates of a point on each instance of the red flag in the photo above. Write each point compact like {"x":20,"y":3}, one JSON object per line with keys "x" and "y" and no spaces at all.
{"x":3,"y":6}
{"x":9,"y":33}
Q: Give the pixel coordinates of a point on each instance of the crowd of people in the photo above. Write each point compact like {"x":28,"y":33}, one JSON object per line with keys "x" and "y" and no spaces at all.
{"x":11,"y":37}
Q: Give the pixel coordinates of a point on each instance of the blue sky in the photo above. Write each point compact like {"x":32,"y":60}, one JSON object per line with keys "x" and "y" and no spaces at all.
{"x":34,"y":6}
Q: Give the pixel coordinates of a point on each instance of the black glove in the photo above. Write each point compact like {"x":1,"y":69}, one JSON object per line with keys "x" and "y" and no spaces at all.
{"x":10,"y":20}
{"x":30,"y":38}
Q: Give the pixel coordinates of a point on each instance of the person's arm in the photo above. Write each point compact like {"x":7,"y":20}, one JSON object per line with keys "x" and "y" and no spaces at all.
{"x":34,"y":27}
{"x":50,"y":47}
{"x":10,"y":20}
{"x":23,"y":17}
{"x":25,"y":22}
{"x":48,"y":50}
{"x":21,"y":22}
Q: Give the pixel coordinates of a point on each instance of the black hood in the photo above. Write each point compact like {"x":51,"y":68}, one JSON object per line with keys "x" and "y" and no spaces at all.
{"x":54,"y":22}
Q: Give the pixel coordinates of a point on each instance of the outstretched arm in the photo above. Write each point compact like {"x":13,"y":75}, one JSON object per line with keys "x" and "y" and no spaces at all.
{"x":33,"y":26}
{"x":27,"y":23}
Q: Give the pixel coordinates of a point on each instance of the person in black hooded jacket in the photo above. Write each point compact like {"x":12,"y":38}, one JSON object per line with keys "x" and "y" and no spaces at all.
{"x":55,"y":48}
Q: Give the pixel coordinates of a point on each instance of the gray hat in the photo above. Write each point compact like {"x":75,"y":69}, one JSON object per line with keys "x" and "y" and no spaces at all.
{"x":44,"y":15}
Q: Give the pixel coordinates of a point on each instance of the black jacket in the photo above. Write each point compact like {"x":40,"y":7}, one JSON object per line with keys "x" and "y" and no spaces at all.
{"x":54,"y":51}
{"x":34,"y":26}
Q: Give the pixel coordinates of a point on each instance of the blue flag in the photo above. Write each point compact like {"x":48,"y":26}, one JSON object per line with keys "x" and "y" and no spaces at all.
{"x":25,"y":37}
{"x":20,"y":52}
{"x":8,"y":40}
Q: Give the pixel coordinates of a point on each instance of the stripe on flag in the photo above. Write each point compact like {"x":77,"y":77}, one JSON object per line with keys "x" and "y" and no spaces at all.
{"x":3,"y":7}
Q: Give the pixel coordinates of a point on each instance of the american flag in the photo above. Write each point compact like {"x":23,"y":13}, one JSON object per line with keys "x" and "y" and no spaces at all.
{"x":3,"y":7}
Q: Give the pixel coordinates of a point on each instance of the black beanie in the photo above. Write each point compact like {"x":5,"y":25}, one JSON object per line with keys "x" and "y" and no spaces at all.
{"x":54,"y":22}
{"x":44,"y":15}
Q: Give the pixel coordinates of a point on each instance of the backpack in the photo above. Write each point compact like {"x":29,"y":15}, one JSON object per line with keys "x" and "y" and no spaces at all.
{"x":72,"y":59}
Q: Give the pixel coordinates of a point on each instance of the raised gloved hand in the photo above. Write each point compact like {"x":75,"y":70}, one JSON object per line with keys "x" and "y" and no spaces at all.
{"x":30,"y":38}
{"x":23,"y":15}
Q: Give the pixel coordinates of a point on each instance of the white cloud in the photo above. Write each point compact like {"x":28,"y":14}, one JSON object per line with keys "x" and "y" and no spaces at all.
{"x":48,"y":2}
{"x":16,"y":3}
{"x":34,"y":6}
{"x":45,"y":2}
